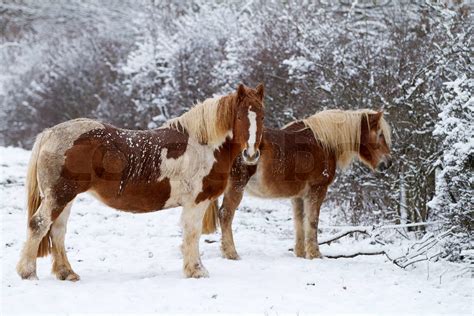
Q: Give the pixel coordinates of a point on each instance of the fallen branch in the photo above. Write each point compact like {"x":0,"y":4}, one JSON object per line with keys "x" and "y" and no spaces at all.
{"x":330,"y":239}
{"x":395,"y":226}
{"x":355,"y":254}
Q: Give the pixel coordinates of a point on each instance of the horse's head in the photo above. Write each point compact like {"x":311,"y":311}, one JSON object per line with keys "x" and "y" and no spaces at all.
{"x":248,"y":122}
{"x":375,"y":142}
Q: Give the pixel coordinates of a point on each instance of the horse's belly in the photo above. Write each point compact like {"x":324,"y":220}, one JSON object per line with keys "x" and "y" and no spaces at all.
{"x":274,"y":187}
{"x":137,"y":198}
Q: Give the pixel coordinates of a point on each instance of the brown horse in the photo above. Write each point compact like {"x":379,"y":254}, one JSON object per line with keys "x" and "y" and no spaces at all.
{"x":184,"y":163}
{"x":299,"y":162}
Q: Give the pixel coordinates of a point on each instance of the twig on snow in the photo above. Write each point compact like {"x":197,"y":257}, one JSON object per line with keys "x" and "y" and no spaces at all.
{"x":355,"y":254}
{"x":330,"y":239}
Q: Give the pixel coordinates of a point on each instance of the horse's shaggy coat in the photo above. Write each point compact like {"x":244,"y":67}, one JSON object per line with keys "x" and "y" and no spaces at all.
{"x":300,"y":162}
{"x":186,"y":162}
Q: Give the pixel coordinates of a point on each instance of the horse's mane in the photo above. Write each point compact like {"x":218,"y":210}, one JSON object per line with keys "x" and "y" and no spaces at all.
{"x":209,"y":122}
{"x":339,"y":131}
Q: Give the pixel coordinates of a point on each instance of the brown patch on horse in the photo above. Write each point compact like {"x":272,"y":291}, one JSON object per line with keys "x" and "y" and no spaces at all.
{"x":121,"y":167}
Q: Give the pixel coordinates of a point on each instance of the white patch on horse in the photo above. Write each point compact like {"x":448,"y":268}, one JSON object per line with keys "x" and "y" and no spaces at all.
{"x":217,"y":145}
{"x":252,"y":116}
{"x":186,"y":172}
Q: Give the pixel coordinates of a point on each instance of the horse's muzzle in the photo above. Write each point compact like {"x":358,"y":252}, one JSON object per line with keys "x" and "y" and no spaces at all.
{"x":385,"y":164}
{"x":250,"y":160}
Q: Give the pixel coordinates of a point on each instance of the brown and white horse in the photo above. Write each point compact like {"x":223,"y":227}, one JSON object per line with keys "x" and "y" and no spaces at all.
{"x":299,"y":162}
{"x":184,"y":163}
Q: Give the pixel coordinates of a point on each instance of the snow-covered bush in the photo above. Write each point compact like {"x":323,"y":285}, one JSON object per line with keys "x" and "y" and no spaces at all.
{"x":58,"y":61}
{"x":453,"y":202}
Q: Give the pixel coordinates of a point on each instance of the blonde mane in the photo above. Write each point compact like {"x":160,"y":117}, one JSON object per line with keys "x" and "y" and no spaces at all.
{"x":210,"y":122}
{"x":339,"y":131}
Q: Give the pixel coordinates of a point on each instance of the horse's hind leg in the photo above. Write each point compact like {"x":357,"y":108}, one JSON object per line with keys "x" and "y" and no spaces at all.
{"x":38,"y":227}
{"x":298,"y":211}
{"x":312,"y":205}
{"x":61,"y":266}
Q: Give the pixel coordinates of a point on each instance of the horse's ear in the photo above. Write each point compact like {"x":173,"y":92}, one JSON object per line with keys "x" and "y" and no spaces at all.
{"x":375,"y":118}
{"x":260,"y":90}
{"x":240,"y":92}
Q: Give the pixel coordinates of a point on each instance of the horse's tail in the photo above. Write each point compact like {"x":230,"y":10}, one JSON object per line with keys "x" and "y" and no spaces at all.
{"x":211,"y":219}
{"x":33,"y":194}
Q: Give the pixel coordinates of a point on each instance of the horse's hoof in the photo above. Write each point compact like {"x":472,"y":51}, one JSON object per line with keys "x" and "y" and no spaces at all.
{"x":229,"y":252}
{"x":197,"y":272}
{"x":26,"y":274}
{"x":73,"y":277}
{"x":231,"y":256}
{"x":31,"y":277}
{"x":67,"y":275}
{"x":299,"y":252}
{"x":313,"y":255}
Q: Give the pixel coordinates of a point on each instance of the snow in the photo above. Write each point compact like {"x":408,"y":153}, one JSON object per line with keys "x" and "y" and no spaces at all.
{"x":131,"y":263}
{"x":298,"y":66}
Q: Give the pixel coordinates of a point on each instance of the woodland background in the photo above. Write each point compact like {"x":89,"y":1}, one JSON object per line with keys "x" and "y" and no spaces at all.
{"x":137,"y":63}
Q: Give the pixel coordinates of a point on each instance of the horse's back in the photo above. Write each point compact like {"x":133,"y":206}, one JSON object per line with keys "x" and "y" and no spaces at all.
{"x":62,"y":136}
{"x":120,"y":167}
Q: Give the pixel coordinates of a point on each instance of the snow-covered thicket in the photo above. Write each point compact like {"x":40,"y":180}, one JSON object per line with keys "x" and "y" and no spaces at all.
{"x":136,"y":63}
{"x":59,"y":61}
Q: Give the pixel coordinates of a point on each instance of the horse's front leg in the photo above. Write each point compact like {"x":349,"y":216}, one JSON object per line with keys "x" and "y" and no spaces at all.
{"x":298,"y":211}
{"x":191,"y":220}
{"x":231,"y":201}
{"x":312,"y":205}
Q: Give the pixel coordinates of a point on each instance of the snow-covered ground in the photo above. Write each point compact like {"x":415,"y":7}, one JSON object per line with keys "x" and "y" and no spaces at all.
{"x":132,"y":263}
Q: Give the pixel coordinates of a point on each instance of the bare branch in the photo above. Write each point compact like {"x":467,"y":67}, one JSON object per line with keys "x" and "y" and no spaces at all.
{"x":330,"y":239}
{"x":355,"y":254}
